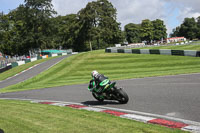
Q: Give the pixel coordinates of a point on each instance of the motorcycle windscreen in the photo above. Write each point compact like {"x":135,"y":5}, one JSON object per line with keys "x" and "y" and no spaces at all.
{"x":105,"y":82}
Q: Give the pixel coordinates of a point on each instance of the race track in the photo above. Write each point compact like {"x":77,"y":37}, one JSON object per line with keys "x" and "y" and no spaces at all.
{"x":175,"y":96}
{"x":31,"y":73}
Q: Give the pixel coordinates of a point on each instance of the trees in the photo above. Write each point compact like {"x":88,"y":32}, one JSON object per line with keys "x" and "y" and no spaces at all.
{"x":32,"y":26}
{"x":175,"y":32}
{"x":198,"y":26}
{"x":4,"y":28}
{"x":66,"y":29}
{"x":190,"y":28}
{"x":160,"y":31}
{"x":133,"y":32}
{"x":38,"y":24}
{"x":99,"y":25}
{"x":147,"y":30}
{"x":11,"y":34}
{"x":28,"y":27}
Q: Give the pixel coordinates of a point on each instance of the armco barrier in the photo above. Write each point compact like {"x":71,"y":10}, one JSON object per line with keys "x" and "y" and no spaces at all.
{"x":20,"y":63}
{"x":39,"y":57}
{"x":27,"y":60}
{"x":64,"y":53}
{"x":33,"y":59}
{"x":192,"y":53}
{"x":14,"y":64}
{"x":5,"y":68}
{"x":59,"y":54}
{"x":43,"y":57}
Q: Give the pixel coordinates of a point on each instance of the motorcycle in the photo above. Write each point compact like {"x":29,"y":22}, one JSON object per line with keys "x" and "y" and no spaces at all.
{"x":108,"y":92}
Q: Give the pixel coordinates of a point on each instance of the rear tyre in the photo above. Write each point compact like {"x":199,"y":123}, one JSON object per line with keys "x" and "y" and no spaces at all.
{"x":122,"y":97}
{"x":97,"y":97}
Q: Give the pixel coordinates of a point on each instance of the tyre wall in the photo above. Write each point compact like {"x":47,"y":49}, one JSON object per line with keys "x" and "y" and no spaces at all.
{"x":192,"y":53}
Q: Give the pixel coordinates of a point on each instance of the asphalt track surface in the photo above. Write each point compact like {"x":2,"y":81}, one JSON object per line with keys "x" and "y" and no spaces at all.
{"x":175,"y":96}
{"x":31,"y":73}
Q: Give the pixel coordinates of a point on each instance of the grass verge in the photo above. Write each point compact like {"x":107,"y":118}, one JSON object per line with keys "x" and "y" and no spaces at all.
{"x":26,"y":117}
{"x":76,"y":69}
{"x":21,"y":68}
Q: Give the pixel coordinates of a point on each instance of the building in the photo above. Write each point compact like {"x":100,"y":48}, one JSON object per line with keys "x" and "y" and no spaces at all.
{"x":175,"y":39}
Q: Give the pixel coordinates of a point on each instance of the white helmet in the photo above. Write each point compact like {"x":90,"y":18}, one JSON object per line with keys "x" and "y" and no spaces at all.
{"x":94,"y":73}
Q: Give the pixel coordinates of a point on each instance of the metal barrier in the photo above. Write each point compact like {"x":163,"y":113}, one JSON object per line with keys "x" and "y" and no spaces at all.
{"x":4,"y":62}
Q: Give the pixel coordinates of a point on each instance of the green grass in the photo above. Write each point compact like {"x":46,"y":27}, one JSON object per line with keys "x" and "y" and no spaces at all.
{"x":176,"y":47}
{"x":26,"y":117}
{"x":21,"y":68}
{"x":76,"y":69}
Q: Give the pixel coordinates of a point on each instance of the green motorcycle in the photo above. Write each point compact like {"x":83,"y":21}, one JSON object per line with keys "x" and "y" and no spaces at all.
{"x":108,"y":92}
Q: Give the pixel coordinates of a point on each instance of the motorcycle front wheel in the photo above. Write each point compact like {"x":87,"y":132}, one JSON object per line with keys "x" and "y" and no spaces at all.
{"x":97,"y":97}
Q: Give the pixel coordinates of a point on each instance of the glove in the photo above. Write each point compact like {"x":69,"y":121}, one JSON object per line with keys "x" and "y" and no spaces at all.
{"x":91,"y":90}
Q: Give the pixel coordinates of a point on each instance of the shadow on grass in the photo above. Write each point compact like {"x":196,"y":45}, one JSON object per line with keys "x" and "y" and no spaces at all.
{"x":97,"y":103}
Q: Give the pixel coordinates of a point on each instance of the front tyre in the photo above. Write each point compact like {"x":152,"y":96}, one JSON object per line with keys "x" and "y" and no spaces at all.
{"x":97,"y":97}
{"x":122,"y":97}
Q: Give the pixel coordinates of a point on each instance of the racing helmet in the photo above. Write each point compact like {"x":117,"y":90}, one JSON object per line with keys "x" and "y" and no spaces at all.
{"x":94,"y":73}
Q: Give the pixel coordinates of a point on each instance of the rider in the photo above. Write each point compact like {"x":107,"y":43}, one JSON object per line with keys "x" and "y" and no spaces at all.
{"x":97,"y":78}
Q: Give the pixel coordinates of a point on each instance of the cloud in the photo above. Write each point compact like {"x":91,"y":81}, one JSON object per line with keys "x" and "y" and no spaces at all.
{"x":136,"y":10}
{"x":64,"y":7}
{"x":188,"y":8}
{"x":172,"y":12}
{"x":128,"y":10}
{"x":184,"y":8}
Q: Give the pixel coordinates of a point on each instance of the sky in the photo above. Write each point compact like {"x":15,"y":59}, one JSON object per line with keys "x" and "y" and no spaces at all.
{"x":172,"y":12}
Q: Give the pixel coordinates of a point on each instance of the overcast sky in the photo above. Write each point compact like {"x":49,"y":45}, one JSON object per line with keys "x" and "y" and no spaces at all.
{"x":172,"y":12}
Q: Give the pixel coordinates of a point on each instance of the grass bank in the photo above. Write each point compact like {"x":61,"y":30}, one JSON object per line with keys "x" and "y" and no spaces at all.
{"x":26,"y":117}
{"x":76,"y":69}
{"x":21,"y":68}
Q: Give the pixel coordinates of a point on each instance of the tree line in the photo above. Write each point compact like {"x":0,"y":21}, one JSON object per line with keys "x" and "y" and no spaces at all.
{"x":146,"y":31}
{"x":36,"y":25}
{"x":190,"y":29}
